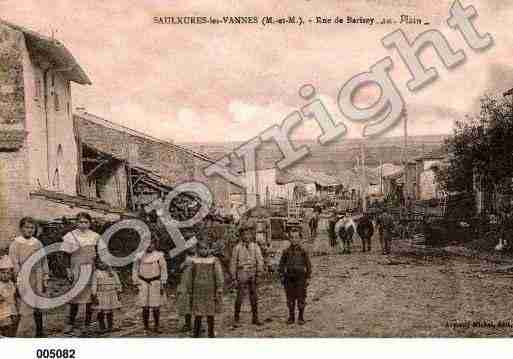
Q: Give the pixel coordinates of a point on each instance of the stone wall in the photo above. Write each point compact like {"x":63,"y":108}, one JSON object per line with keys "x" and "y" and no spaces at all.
{"x":13,"y":192}
{"x":12,"y":99}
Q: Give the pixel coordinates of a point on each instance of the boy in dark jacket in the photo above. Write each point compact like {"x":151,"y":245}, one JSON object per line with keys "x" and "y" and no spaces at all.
{"x":295,"y":271}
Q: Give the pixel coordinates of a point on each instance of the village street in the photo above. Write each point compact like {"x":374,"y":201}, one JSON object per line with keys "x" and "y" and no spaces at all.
{"x":362,"y":294}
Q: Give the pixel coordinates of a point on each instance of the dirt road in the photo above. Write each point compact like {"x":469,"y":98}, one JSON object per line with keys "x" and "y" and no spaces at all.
{"x":366,"y":294}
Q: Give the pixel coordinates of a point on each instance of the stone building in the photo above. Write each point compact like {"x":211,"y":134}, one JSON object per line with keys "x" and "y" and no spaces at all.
{"x":426,"y":167}
{"x":55,"y":164}
{"x":129,"y":169}
{"x":38,"y":149}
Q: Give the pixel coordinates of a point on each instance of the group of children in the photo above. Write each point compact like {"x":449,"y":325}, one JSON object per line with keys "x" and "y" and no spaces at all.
{"x":199,"y":294}
{"x":17,"y":318}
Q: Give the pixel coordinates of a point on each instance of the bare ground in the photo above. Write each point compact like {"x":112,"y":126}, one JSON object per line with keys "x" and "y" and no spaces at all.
{"x":406,"y":294}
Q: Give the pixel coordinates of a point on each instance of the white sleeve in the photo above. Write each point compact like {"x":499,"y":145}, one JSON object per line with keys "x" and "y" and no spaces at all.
{"x":163,"y":268}
{"x":97,"y":239}
{"x":69,"y":243}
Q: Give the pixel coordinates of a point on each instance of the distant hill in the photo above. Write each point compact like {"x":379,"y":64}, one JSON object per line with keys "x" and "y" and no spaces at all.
{"x":336,"y":157}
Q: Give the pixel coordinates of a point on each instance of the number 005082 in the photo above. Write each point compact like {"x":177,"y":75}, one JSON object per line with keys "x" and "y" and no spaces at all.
{"x":55,"y":354}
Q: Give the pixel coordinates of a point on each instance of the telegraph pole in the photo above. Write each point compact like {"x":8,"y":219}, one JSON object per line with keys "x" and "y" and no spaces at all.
{"x":363,"y":181}
{"x":381,"y":176}
{"x":405,"y":157}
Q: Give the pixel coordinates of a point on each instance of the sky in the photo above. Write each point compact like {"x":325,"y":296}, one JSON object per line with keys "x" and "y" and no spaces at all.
{"x":199,"y":83}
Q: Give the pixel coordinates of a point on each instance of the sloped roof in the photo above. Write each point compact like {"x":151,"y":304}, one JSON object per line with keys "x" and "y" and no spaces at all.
{"x":437,"y":154}
{"x":386,"y":170}
{"x":395,"y":175}
{"x":325,"y":180}
{"x":172,"y":163}
{"x":285,"y":177}
{"x":55,"y":51}
{"x":301,"y":176}
{"x":78,"y":201}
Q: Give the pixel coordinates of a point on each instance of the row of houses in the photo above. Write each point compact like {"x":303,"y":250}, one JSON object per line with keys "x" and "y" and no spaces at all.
{"x":55,"y":163}
{"x":417,"y":180}
{"x":268,"y":184}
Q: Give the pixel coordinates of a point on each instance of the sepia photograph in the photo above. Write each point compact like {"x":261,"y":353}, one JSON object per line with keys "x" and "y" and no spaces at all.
{"x":272,"y":169}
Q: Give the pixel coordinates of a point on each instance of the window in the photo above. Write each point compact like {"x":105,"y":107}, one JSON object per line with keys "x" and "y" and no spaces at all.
{"x":56,"y":101}
{"x":56,"y":182}
{"x":38,"y":89}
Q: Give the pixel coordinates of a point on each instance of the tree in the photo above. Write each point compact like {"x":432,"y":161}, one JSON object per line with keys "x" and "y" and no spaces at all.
{"x":482,"y":144}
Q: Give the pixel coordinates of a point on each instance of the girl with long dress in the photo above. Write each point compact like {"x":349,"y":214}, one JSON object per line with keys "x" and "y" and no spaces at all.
{"x":81,"y":245}
{"x":150,"y":275}
{"x":106,"y":288}
{"x":21,"y":249}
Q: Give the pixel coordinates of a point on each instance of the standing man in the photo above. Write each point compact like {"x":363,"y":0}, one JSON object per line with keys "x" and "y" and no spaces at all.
{"x":314,"y":221}
{"x":246,"y":265}
{"x":295,"y":271}
{"x":385,"y":224}
{"x":262,"y":234}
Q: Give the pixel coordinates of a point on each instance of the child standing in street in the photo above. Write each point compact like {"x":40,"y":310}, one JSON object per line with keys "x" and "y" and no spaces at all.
{"x":8,"y":312}
{"x":150,"y":276}
{"x":204,"y":282}
{"x":183,"y":301}
{"x":385,"y":224}
{"x":106,"y":287}
{"x":20,"y":250}
{"x":80,"y":246}
{"x":295,"y":271}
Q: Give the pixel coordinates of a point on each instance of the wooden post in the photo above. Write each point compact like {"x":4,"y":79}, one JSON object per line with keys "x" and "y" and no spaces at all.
{"x":364,"y":181}
{"x":381,"y":176}
{"x":405,"y":157}
{"x":131,"y":203}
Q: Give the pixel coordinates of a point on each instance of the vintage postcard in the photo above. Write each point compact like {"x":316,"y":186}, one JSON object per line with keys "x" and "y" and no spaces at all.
{"x":269,"y":169}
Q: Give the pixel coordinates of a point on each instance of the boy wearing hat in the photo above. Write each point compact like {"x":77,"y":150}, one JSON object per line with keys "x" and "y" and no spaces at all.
{"x":8,"y":312}
{"x":246,"y":265}
{"x":295,"y":271}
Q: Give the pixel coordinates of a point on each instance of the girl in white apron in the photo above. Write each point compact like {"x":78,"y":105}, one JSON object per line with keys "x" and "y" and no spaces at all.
{"x":81,"y":244}
{"x":106,"y":288}
{"x":149,"y":274}
{"x":21,"y":249}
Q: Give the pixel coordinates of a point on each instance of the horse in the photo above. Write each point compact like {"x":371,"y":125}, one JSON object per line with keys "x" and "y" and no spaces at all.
{"x":365,"y":230}
{"x":346,"y":228}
